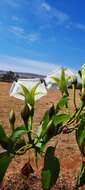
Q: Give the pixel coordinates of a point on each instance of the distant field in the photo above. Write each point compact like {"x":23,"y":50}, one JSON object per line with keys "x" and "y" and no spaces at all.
{"x":66,"y":150}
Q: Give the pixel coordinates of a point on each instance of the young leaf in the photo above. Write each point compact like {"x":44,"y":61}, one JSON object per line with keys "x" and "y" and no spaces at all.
{"x":26,"y":93}
{"x":2,"y":132}
{"x":51,"y":131}
{"x":61,"y":118}
{"x":25,"y":90}
{"x":51,"y":111}
{"x":18,"y":132}
{"x":62,"y":82}
{"x":80,"y":135}
{"x":46,"y":178}
{"x":43,"y":126}
{"x":62,"y":103}
{"x":5,"y":141}
{"x":5,"y":159}
{"x":34,"y":88}
{"x":51,"y":168}
{"x":25,"y":114}
{"x":12,"y":119}
{"x":81,"y":180}
{"x":56,"y":80}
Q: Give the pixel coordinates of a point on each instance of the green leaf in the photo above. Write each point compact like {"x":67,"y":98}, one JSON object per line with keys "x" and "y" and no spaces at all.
{"x":43,"y":126}
{"x":56,"y":80}
{"x":51,"y":131}
{"x":61,"y":119}
{"x":51,"y":168}
{"x":29,"y":94}
{"x":34,"y":88}
{"x":33,"y":93}
{"x":4,"y":140}
{"x":81,"y":180}
{"x":61,"y":82}
{"x":39,"y":130}
{"x":46,"y":178}
{"x":80,"y":135}
{"x":26,"y":93}
{"x":8,"y":142}
{"x":5,"y":159}
{"x":62,"y":103}
{"x":45,"y":119}
{"x":12,"y":119}
{"x":18,"y":132}
{"x":39,"y":145}
{"x":25,"y":90}
{"x":2,"y":132}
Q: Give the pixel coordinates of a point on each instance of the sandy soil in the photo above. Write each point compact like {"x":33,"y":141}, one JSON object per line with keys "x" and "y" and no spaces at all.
{"x":67,"y":150}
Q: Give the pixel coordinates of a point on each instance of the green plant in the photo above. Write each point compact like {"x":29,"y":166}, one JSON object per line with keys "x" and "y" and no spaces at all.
{"x":62,"y":82}
{"x":74,"y":84}
{"x":53,"y":123}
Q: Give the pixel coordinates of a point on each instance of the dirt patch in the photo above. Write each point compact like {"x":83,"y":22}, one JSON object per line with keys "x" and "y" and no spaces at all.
{"x":67,"y":150}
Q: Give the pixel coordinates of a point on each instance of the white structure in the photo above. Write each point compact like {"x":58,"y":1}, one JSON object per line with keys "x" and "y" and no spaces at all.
{"x":16,"y":88}
{"x":57,"y":73}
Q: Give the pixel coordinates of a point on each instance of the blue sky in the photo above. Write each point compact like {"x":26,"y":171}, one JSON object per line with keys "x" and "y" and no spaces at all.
{"x":39,"y":35}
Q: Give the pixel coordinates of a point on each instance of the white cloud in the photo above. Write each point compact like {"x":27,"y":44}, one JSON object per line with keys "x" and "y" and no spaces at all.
{"x":46,"y":6}
{"x":54,"y":13}
{"x":20,"y":32}
{"x":46,"y":12}
{"x":16,"y":30}
{"x":61,"y":16}
{"x":32,"y":37}
{"x":80,"y":26}
{"x":26,"y":65}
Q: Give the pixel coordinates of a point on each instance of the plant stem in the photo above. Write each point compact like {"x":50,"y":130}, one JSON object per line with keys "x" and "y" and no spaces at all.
{"x":74,"y":95}
{"x":76,"y":113}
{"x":28,"y":126}
{"x":26,"y":147}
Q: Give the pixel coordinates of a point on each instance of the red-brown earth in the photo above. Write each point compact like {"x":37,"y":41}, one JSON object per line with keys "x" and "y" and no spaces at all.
{"x":66,"y":150}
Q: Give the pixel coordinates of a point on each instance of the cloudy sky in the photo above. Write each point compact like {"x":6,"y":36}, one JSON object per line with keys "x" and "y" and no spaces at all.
{"x":39,"y":35}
